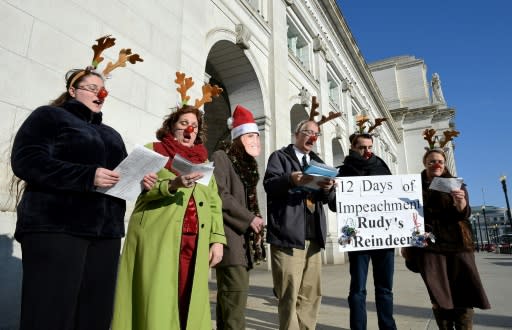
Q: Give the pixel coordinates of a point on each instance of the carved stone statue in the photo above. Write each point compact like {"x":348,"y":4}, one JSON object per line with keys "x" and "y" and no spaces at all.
{"x":437,"y":92}
{"x":305,"y":97}
{"x":242,"y":36}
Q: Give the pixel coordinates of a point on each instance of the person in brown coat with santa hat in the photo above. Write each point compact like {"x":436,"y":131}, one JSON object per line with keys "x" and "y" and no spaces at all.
{"x":236,"y":173}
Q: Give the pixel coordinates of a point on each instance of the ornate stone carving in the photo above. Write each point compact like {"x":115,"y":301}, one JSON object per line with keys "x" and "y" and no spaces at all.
{"x":328,"y":57}
{"x":305,"y":97}
{"x":242,"y":36}
{"x":319,"y":45}
{"x":346,"y":85}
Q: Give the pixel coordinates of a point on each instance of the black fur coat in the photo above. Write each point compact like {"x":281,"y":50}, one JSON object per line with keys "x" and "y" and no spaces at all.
{"x":56,"y":152}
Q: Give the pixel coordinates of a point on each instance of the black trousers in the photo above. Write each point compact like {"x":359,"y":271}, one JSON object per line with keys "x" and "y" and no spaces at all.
{"x":68,"y":281}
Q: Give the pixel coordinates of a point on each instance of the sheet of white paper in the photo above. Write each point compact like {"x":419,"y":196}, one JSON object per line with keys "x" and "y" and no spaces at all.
{"x":183,"y":166}
{"x":132,"y":169}
{"x":446,"y":184}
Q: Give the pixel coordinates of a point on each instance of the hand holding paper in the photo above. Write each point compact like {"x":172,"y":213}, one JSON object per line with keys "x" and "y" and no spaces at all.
{"x":184,"y":167}
{"x":132,"y":170}
{"x":318,"y":176}
{"x":185,"y":181}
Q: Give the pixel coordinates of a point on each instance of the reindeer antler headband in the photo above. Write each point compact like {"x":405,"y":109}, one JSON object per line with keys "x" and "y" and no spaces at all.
{"x":184,"y":84}
{"x":361,"y":121}
{"x":429,"y":135}
{"x":324,"y":119}
{"x":125,"y":55}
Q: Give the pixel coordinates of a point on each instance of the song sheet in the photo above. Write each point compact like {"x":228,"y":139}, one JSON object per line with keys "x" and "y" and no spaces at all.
{"x":132,"y":169}
{"x":184,"y":167}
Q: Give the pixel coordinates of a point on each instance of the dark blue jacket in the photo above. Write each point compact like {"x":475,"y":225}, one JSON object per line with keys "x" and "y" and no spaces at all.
{"x":56,"y":152}
{"x":286,"y":209}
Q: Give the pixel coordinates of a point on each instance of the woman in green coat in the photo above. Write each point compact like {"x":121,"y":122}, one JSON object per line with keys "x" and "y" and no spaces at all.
{"x":175,"y":233}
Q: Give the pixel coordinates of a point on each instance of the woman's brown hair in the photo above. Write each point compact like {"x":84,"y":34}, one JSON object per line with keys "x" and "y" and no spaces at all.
{"x":446,"y":172}
{"x":172,"y":119}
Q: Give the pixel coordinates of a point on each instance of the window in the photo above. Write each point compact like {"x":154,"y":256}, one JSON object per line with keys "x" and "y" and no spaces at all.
{"x":298,"y":45}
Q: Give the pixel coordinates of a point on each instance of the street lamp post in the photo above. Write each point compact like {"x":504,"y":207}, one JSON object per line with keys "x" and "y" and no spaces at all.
{"x":475,"y":236}
{"x":496,"y":237}
{"x":480,"y":230}
{"x":503,"y":180}
{"x":486,"y":229}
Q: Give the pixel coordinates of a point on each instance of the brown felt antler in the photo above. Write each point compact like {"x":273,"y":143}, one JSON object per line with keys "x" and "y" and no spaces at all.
{"x":314,"y":106}
{"x":332,"y":115}
{"x":429,"y":135}
{"x":184,"y":84}
{"x":102,"y":44}
{"x":125,"y":54}
{"x":448,"y":136}
{"x":378,"y":122}
{"x":360,"y":121}
{"x":313,"y":113}
{"x":209,"y":91}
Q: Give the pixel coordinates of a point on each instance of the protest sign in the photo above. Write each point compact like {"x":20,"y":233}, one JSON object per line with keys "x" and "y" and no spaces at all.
{"x":383,"y":210}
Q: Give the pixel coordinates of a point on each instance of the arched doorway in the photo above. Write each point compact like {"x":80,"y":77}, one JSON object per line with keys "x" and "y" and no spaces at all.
{"x":338,"y":156}
{"x":228,"y":66}
{"x":298,"y":113}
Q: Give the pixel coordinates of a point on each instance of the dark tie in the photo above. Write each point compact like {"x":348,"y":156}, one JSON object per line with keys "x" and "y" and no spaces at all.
{"x":310,"y":203}
{"x":304,"y":162}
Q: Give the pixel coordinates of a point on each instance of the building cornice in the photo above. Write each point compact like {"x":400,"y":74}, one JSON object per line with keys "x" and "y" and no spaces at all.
{"x":432,"y":111}
{"x":347,"y":39}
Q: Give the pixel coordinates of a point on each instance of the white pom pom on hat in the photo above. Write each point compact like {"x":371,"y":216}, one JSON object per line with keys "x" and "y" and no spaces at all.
{"x":242,"y":122}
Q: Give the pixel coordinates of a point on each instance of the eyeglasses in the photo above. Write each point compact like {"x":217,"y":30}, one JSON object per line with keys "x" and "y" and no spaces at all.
{"x":91,"y":88}
{"x":435,"y":161}
{"x":101,"y":92}
{"x":309,"y":132}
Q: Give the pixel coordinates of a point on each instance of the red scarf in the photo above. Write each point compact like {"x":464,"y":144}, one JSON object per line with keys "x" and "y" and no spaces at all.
{"x":169,"y":146}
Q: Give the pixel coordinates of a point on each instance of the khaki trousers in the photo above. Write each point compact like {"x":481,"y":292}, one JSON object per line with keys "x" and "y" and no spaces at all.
{"x":296,"y":274}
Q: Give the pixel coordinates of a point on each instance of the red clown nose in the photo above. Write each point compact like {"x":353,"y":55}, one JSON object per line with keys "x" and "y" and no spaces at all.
{"x":437,"y":166}
{"x":367,"y":154}
{"x":102,"y":93}
{"x":312,"y":139}
{"x":189,"y":129}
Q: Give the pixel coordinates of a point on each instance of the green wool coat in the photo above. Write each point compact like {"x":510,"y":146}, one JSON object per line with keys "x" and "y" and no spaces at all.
{"x":147,"y":286}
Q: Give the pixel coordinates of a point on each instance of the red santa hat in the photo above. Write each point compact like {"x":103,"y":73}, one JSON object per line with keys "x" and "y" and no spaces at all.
{"x":242,"y":122}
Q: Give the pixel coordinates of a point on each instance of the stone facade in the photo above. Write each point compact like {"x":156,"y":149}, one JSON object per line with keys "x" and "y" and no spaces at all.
{"x":412,"y":102}
{"x":270,"y":56}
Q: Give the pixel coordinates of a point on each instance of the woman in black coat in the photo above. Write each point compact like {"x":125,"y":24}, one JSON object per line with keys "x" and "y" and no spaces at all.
{"x":70,"y":234}
{"x":447,"y":266}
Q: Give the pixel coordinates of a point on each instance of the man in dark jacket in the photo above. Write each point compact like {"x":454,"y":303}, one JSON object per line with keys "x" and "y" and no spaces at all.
{"x":296,"y":229}
{"x":362,"y":162}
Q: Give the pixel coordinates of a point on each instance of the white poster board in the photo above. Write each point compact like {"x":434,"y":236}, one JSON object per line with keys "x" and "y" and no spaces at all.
{"x":383,"y":209}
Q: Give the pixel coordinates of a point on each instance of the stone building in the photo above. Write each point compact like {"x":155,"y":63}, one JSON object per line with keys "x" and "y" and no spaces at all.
{"x":415,"y":104}
{"x":270,"y":56}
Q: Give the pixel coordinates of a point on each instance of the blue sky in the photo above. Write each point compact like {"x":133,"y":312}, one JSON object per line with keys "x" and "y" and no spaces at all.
{"x":469,"y":43}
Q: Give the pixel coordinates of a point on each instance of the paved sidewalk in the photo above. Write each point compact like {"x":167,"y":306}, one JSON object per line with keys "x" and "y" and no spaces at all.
{"x":412,"y":307}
